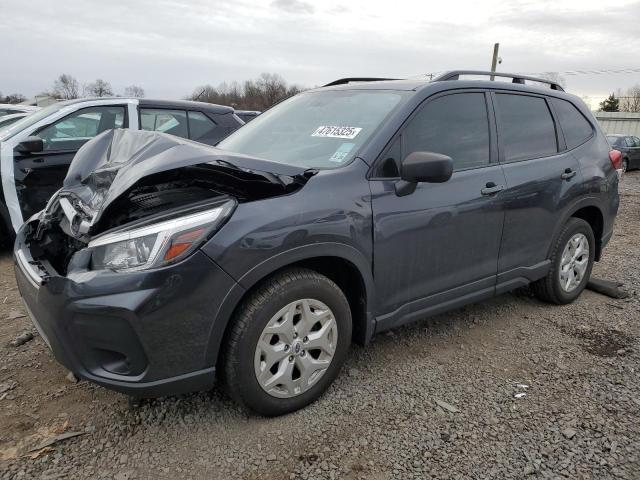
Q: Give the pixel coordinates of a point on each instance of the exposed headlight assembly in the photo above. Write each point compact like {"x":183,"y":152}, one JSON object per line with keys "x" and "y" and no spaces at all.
{"x":156,"y":244}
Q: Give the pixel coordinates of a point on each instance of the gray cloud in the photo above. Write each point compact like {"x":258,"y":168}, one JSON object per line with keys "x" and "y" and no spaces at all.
{"x":293,"y":6}
{"x":170,"y":46}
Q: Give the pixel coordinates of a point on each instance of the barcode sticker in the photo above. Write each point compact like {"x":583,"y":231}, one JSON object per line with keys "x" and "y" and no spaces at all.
{"x":332,"y":131}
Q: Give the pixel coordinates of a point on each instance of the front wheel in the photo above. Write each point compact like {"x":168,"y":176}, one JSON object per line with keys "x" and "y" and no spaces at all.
{"x":625,"y":165}
{"x":571,"y":263}
{"x":287,"y":342}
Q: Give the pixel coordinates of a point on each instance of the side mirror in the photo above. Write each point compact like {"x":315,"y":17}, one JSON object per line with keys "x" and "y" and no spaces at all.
{"x":30,"y":145}
{"x":423,"y":167}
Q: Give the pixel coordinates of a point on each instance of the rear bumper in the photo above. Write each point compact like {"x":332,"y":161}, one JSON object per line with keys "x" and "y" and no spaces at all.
{"x":145,"y":334}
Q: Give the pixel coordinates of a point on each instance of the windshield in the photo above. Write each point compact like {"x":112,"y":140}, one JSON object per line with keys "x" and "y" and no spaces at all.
{"x":30,"y":119}
{"x":320,"y":129}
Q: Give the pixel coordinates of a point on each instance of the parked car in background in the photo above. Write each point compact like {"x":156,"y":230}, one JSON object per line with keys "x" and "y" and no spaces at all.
{"x":7,"y":120}
{"x":247,"y":115}
{"x":35,"y":152}
{"x":11,"y":108}
{"x":340,"y":213}
{"x":629,"y":146}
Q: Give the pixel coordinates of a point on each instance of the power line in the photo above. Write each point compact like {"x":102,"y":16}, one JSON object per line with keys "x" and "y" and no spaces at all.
{"x":596,"y":72}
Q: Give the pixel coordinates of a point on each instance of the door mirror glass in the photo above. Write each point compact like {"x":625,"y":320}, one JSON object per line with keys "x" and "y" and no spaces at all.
{"x":30,"y":145}
{"x":426,"y":167}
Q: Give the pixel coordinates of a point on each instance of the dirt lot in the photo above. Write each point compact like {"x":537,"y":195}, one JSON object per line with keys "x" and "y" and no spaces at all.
{"x":433,"y":400}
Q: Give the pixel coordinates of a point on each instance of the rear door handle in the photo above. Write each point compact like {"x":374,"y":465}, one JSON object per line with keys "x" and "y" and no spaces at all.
{"x":491,"y":188}
{"x":568,"y":173}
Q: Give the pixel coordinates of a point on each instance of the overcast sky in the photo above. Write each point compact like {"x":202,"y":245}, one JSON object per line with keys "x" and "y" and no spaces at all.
{"x":171,"y":46}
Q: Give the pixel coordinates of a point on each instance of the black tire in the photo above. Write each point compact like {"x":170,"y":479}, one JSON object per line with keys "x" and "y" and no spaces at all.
{"x":238,"y":374}
{"x":548,"y":288}
{"x":625,"y":165}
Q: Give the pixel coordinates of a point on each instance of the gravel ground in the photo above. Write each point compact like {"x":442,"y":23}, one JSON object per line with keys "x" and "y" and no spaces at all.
{"x":438,"y":399}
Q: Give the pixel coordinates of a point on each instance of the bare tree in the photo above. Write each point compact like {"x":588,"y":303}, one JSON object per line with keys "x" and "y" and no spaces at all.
{"x":13,"y":98}
{"x":258,"y":94}
{"x":134,"y":91}
{"x":66,"y":87}
{"x":630,"y":100}
{"x":99,"y":88}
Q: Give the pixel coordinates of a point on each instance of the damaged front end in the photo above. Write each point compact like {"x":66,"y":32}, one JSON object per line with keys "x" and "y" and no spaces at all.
{"x":137,"y":200}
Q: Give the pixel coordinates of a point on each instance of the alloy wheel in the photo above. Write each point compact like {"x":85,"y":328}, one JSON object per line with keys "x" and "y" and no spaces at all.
{"x":574,"y":262}
{"x":296,"y":348}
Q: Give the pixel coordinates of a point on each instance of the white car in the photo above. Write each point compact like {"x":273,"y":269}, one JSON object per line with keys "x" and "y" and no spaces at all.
{"x":12,"y":118}
{"x":11,"y":108}
{"x":35,"y":152}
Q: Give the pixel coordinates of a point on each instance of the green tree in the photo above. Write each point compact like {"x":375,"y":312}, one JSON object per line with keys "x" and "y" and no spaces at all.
{"x":610,"y":104}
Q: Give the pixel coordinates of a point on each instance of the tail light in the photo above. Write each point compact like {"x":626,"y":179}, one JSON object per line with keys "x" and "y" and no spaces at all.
{"x":616,"y":159}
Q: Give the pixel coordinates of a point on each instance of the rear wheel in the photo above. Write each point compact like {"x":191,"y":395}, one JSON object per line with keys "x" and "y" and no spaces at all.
{"x":287,"y":343}
{"x":625,"y":165}
{"x":571,"y":263}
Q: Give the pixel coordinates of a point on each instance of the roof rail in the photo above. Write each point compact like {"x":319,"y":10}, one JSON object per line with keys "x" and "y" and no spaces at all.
{"x":455,"y":75}
{"x":344,"y":81}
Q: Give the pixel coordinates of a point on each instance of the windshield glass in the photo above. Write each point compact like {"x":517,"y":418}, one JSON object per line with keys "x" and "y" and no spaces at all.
{"x":320,"y":129}
{"x":30,"y":119}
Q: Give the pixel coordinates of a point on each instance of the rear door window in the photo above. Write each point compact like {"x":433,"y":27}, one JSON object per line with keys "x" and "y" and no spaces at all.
{"x":454,"y":125}
{"x":575,"y":127}
{"x":629,"y":142}
{"x":72,"y":131}
{"x":163,"y":120}
{"x":526,"y":127}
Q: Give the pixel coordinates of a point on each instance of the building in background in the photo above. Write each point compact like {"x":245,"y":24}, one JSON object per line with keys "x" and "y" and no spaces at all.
{"x":619,"y":122}
{"x":40,"y":101}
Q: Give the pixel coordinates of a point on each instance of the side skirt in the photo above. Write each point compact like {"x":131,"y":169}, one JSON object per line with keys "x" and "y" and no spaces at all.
{"x":460,"y":296}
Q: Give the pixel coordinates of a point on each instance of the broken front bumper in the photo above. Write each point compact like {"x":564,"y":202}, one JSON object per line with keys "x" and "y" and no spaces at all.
{"x":144,"y":333}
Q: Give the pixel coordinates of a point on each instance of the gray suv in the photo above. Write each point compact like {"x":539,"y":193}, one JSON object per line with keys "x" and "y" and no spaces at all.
{"x":342,"y":212}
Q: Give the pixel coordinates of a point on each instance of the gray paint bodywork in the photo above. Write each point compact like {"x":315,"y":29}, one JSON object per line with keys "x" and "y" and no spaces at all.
{"x":440,"y":247}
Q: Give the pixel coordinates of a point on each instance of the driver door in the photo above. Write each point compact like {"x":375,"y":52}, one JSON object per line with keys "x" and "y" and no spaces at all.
{"x":439,"y":245}
{"x":39,"y":175}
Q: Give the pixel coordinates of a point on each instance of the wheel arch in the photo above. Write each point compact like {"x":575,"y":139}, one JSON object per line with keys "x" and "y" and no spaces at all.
{"x":594,"y":217}
{"x":343,"y":264}
{"x":588,"y":210}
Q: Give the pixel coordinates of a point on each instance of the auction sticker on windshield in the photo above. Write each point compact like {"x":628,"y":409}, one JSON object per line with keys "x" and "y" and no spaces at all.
{"x":332,"y":131}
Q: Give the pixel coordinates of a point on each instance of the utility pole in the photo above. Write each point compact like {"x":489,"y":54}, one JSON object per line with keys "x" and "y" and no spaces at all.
{"x":494,"y":61}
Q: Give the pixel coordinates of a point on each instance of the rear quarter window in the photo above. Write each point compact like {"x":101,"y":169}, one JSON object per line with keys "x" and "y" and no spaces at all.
{"x":201,"y":127}
{"x":526,"y":127}
{"x":575,"y":127}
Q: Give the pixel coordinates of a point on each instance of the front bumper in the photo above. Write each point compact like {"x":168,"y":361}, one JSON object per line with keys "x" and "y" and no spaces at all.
{"x":145,"y":333}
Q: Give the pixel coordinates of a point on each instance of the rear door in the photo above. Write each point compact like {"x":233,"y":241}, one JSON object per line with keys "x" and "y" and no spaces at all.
{"x":542,"y":179}
{"x":39,"y":175}
{"x":440,"y":243}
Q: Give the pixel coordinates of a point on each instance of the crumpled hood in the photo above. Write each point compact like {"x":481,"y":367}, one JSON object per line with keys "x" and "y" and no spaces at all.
{"x":114,"y":161}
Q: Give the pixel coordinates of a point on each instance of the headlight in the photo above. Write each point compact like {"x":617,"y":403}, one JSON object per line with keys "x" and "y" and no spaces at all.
{"x":156,"y":244}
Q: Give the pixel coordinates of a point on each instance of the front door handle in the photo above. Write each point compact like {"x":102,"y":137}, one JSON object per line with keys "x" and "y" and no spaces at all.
{"x":568,"y":173}
{"x":491,"y":188}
